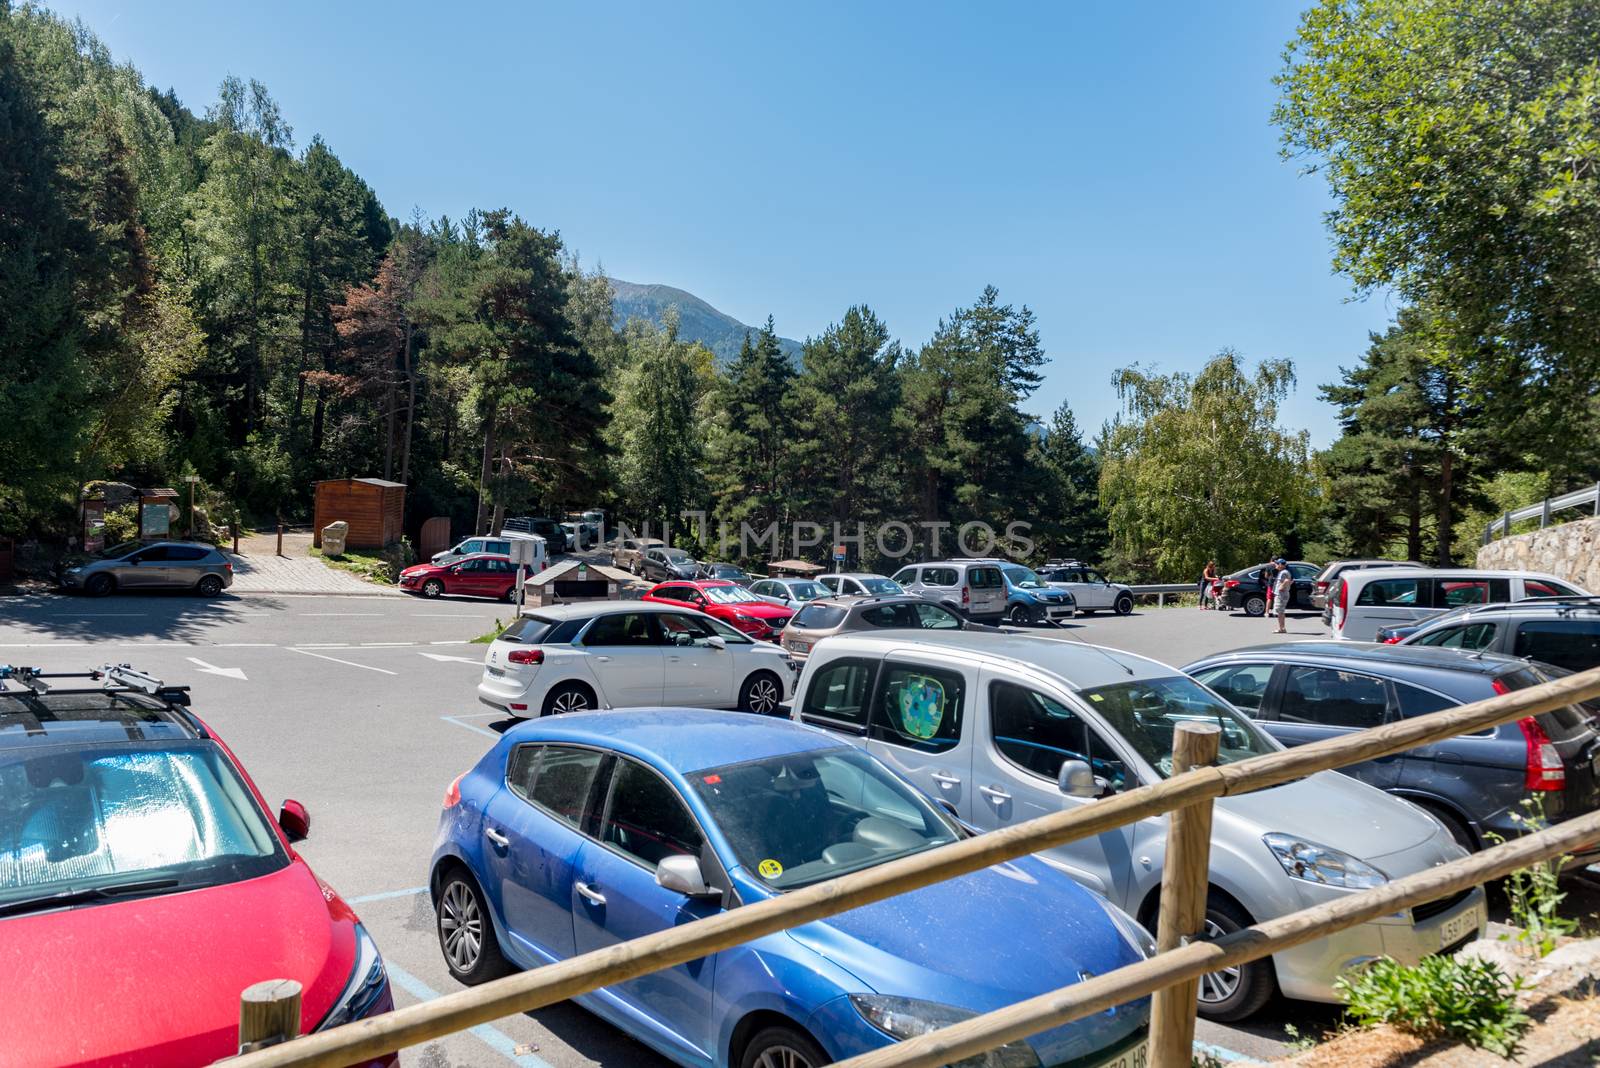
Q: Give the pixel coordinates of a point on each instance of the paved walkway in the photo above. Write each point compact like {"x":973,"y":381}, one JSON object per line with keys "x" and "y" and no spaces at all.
{"x":258,"y":569}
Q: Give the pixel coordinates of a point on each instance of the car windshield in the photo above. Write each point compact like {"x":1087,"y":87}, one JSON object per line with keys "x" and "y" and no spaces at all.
{"x":676,"y":556}
{"x":807,"y":591}
{"x":797,"y":819}
{"x":818,"y":617}
{"x":1146,"y":712}
{"x":1023,"y":578}
{"x":881,"y":586}
{"x":729,"y":595}
{"x":89,"y":819}
{"x":117,"y":551}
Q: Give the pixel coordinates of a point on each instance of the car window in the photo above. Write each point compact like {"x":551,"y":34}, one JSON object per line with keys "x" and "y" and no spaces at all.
{"x":467,"y":567}
{"x":155,"y":554}
{"x":186,"y":552}
{"x":1241,"y":685}
{"x":1038,"y":734}
{"x":1303,"y":571}
{"x":684,"y":630}
{"x":621,"y":628}
{"x":1146,"y":712}
{"x":556,"y":778}
{"x":1389,"y":591}
{"x":932,"y":617}
{"x":473,"y":546}
{"x":985,"y":578}
{"x":830,"y":581}
{"x":767,"y":589}
{"x":1092,"y":576}
{"x":1415,"y":701}
{"x":675,"y":593}
{"x":839,"y":692}
{"x":939,"y":576}
{"x":880,"y":587}
{"x":1450,"y":593}
{"x":807,"y":591}
{"x":1542,"y":588}
{"x":1473,"y":636}
{"x":730,"y":595}
{"x":503,"y":547}
{"x":917,"y":707}
{"x":1573,"y":644}
{"x":1332,"y":698}
{"x":890,"y":615}
{"x":645,"y":819}
{"x":906,"y":576}
{"x":818,"y":617}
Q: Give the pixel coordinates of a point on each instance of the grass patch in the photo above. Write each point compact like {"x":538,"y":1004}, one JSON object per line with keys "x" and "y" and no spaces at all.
{"x":374,"y":567}
{"x":1467,"y":999}
{"x":499,"y":629}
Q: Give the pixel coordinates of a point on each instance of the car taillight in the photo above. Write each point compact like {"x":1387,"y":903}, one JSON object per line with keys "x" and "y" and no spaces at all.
{"x":229,"y":566}
{"x":1393,"y":639}
{"x":1344,"y":597}
{"x":452,"y":793}
{"x":1322,"y":587}
{"x":525,"y":656}
{"x":1229,"y":584}
{"x":1544,"y":769}
{"x":965,"y":595}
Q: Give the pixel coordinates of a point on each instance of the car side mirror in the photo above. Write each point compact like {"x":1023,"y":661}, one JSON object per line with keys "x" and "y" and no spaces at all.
{"x":1077,"y":780}
{"x":716,"y":641}
{"x":295,"y":820}
{"x":681,"y":874}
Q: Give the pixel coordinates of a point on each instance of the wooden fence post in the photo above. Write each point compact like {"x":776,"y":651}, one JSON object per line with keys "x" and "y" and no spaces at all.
{"x":1184,"y":882}
{"x":280,"y":537}
{"x":269,"y":1013}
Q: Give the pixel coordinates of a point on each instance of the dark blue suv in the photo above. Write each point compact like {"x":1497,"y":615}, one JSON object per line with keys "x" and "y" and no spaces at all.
{"x":1474,"y":783}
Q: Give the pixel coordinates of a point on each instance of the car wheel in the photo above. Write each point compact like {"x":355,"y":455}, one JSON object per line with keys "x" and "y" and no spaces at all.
{"x":466,"y":933}
{"x":1124,"y":604}
{"x":1255,"y":605}
{"x":1455,"y":825}
{"x":568,"y":697}
{"x":783,"y":1047}
{"x":762,"y":694}
{"x":1021,"y":615}
{"x":99,"y":585}
{"x":1232,"y":993}
{"x":209,"y":586}
{"x":432,"y":588}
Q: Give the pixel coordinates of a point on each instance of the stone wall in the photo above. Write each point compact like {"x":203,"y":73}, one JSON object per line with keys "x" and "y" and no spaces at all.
{"x":1570,"y":551}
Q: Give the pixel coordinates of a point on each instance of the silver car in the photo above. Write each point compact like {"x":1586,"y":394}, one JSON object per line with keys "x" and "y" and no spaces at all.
{"x":1001,"y":728}
{"x":789,"y":591}
{"x":1092,"y":590}
{"x":160,"y":565}
{"x":859,"y":584}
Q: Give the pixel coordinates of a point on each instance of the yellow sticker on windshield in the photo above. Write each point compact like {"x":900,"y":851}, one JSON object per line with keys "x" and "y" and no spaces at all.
{"x":1096,"y":697}
{"x":769,"y":869}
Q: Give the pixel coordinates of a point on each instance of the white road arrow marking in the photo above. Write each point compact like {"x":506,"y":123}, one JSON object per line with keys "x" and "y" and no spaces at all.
{"x":458,"y":659}
{"x":212,"y":669}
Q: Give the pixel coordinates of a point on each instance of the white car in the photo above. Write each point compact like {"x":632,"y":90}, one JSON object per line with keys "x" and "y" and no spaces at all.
{"x":860,"y":584}
{"x":1093,"y":591}
{"x":619,"y":654}
{"x":1366,"y":600}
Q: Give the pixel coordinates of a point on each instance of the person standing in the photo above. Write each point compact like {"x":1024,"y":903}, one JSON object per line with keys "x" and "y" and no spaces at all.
{"x":1208,"y":582}
{"x":1282,"y":593}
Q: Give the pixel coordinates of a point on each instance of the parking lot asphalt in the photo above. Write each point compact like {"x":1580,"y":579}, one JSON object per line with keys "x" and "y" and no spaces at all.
{"x":364,"y":709}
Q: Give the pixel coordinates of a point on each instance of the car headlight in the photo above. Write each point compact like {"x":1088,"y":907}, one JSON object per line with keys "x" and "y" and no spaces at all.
{"x":363,"y":989}
{"x":1319,"y":864}
{"x":754,"y":622}
{"x":908,"y":1017}
{"x":1132,"y":931}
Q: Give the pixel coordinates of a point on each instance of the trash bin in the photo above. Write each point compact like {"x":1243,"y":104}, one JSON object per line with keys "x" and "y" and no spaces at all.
{"x":333,"y":536}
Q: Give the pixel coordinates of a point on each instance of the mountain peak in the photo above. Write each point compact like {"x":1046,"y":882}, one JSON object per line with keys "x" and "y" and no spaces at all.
{"x":697,"y":320}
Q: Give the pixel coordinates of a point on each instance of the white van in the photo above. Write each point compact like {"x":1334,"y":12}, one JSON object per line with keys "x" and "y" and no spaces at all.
{"x":1368,"y":599}
{"x":498,"y":544}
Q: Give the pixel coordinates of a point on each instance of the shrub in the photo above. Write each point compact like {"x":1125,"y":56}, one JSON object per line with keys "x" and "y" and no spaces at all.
{"x":1534,"y":894}
{"x":122,"y":524}
{"x":1464,"y":998}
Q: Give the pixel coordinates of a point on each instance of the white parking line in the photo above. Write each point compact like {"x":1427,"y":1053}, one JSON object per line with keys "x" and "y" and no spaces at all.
{"x":442,"y":615}
{"x":410,"y":891}
{"x":495,"y":1039}
{"x":458,"y":641}
{"x":385,"y":645}
{"x":467,"y":726}
{"x":373,"y":615}
{"x":347,"y":663}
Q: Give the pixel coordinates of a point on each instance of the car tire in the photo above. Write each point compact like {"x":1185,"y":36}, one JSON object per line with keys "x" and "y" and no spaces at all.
{"x":432,"y":589}
{"x":569,"y":697}
{"x":1253,"y":984}
{"x":1255,"y":605}
{"x":99,"y":585}
{"x":783,"y":1047}
{"x":1021,"y":615}
{"x":761,"y":693}
{"x":1454,"y":824}
{"x":1124,"y":604}
{"x":466,"y":932}
{"x":209,"y":586}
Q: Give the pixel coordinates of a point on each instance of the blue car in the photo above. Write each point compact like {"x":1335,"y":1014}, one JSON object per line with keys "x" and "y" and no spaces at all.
{"x":580,"y":831}
{"x":1030,"y":599}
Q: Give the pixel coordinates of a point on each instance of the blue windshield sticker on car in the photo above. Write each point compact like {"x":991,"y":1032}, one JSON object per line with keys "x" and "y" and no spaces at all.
{"x":921,"y":706}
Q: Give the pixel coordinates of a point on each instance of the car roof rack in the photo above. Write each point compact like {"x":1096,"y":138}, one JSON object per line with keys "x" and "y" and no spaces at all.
{"x":113,"y":678}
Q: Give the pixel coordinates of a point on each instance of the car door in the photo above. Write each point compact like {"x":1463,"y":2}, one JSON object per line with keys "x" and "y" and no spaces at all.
{"x":1311,"y":703}
{"x":469,"y":578}
{"x":182,"y":568}
{"x":626,"y":658}
{"x":1024,"y":734}
{"x":916,"y":725}
{"x":1387,"y":602}
{"x":1097,"y":588}
{"x":837,"y":698}
{"x":616,"y":898}
{"x":532,"y":839}
{"x":655,"y":566}
{"x":142,"y":569}
{"x":1305,"y":585}
{"x":696,"y":672}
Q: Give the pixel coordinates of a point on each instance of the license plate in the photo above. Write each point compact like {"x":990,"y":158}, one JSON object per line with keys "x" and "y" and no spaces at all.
{"x":496,"y":672}
{"x":800,"y":647}
{"x":1132,"y":1057}
{"x":1456,"y":928}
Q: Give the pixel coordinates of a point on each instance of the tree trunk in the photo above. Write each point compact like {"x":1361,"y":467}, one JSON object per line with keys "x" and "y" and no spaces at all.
{"x":484,"y":471}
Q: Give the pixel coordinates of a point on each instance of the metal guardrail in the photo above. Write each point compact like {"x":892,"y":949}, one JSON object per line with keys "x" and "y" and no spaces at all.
{"x":1542,"y":511}
{"x":1161,"y":590}
{"x":1182,"y":795}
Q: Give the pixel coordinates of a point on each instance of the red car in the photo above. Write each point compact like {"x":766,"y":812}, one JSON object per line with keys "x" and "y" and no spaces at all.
{"x":729,"y":602}
{"x":143,"y":883}
{"x":483,"y":575}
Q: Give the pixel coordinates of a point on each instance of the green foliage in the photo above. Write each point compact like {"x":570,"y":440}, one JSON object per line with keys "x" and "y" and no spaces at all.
{"x":1534,"y":894}
{"x":1071,"y":522}
{"x":382,"y":566}
{"x":655,"y":421}
{"x":750,"y":433}
{"x":122,"y":524}
{"x":1198,"y":469}
{"x":1464,"y":998}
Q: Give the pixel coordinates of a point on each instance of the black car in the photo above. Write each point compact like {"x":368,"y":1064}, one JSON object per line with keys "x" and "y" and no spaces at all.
{"x":1474,"y":783}
{"x":553,"y":533}
{"x":1247,"y":589}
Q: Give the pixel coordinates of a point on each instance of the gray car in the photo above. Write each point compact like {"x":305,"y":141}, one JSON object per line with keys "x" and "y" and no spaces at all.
{"x":790,"y":591}
{"x":859,"y":584}
{"x":662,"y":564}
{"x":1563,"y":631}
{"x":975,"y":589}
{"x":1475,"y":784}
{"x":160,"y":565}
{"x":825,"y":617}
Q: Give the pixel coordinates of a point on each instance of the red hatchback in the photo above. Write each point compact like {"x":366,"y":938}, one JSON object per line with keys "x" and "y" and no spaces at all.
{"x":142,"y":882}
{"x":483,"y":575}
{"x":729,"y":602}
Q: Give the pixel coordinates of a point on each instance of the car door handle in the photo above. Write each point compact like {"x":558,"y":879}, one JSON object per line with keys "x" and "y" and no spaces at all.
{"x":674,"y":659}
{"x":945,"y":780}
{"x":496,"y":837}
{"x":590,"y":894}
{"x":994,"y":793}
{"x":603,"y":659}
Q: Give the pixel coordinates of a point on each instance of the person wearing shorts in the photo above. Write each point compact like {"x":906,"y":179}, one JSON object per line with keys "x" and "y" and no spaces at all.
{"x":1282,"y":592}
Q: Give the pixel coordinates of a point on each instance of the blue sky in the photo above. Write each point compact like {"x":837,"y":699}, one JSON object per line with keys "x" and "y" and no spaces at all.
{"x":1111,"y":166}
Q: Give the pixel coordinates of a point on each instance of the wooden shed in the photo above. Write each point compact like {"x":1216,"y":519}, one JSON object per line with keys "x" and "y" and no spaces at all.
{"x":374,"y":508}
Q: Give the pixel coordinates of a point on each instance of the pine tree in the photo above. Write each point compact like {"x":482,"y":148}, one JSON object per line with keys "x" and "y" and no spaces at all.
{"x":1071,"y":522}
{"x":753,"y":433}
{"x":656,"y":422}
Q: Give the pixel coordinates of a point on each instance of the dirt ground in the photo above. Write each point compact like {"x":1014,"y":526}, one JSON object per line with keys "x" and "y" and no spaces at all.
{"x":1565,"y":1034}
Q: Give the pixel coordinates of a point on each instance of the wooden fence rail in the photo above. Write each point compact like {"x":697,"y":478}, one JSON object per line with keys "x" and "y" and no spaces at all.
{"x":534,"y":989}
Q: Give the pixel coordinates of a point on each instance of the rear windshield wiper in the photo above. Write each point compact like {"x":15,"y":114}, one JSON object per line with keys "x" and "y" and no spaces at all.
{"x":112,"y":892}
